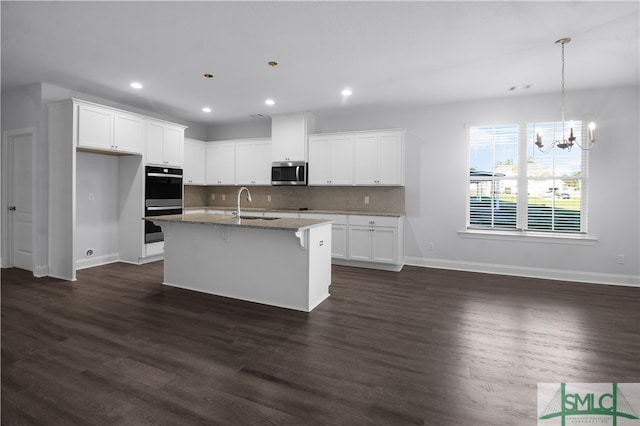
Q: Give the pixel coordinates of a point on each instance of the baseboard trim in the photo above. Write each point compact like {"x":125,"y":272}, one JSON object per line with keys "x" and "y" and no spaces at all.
{"x":97,"y":261}
{"x":369,"y":265}
{"x":521,"y":271}
{"x":41,"y":271}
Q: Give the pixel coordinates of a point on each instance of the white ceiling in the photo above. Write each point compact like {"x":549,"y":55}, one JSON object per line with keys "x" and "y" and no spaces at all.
{"x":389,"y":53}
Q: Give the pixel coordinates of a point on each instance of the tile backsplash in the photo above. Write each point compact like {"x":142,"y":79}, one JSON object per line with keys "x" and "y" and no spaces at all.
{"x":381,"y":199}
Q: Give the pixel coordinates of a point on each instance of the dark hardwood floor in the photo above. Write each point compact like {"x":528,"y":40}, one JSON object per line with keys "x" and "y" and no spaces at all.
{"x":419,"y":347}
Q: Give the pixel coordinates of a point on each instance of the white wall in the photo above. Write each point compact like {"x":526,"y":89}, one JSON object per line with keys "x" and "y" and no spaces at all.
{"x":97,"y":211}
{"x":437,"y":173}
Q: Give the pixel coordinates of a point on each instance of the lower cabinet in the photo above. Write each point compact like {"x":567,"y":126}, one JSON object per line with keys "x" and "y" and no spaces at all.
{"x":338,"y":232}
{"x":356,"y":240}
{"x":374,"y":239}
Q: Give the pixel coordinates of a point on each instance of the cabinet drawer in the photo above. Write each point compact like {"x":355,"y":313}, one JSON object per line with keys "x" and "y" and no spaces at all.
{"x":388,"y":221}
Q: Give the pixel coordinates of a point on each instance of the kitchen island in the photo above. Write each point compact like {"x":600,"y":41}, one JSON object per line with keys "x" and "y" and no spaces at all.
{"x":283,"y":262}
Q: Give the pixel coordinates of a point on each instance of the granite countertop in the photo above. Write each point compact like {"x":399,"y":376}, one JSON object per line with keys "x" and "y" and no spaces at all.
{"x":247,"y":221}
{"x":326,"y":211}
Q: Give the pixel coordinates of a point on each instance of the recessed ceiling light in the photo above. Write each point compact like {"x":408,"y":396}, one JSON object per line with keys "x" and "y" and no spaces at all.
{"x":207,"y":75}
{"x":270,"y":102}
{"x":136,"y":85}
{"x":206,"y":109}
{"x":346,"y":92}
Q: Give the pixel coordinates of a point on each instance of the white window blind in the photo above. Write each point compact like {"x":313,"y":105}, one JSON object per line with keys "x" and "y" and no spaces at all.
{"x":493,"y":171}
{"x":514,"y":186}
{"x":556,"y":181}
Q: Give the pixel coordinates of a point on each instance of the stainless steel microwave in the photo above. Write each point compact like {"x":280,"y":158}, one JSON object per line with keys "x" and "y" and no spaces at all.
{"x":289,"y":173}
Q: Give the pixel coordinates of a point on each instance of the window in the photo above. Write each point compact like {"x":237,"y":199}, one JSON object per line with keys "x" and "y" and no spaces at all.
{"x":514,"y":186}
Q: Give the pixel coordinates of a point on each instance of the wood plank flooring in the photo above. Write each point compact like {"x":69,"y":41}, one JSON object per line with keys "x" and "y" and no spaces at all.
{"x":419,"y":347}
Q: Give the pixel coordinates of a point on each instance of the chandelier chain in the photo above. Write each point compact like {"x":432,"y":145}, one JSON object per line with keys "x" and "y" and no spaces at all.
{"x":566,"y":142}
{"x":562,"y":93}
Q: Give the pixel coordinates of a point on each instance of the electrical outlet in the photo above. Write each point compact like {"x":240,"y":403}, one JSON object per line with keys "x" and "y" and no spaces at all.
{"x":269,"y":198}
{"x":366,"y":199}
{"x":223,"y":197}
{"x":621,"y":259}
{"x":213,"y":196}
{"x":430,"y":246}
{"x":92,"y":196}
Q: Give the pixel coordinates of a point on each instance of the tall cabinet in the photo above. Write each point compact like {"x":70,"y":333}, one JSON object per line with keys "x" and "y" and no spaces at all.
{"x":96,"y":159}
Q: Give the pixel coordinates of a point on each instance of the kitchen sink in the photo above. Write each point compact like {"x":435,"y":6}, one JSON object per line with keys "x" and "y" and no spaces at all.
{"x":258,"y":218}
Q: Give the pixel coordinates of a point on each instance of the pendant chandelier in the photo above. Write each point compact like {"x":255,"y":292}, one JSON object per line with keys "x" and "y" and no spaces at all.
{"x":566,"y":142}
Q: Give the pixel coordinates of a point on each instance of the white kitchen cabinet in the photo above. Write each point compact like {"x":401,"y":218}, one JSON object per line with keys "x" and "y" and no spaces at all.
{"x":105,"y":129}
{"x":164,"y":146}
{"x":220,"y":163}
{"x":331,"y":159}
{"x":379,"y":158}
{"x":194,"y":162}
{"x":339,"y":241}
{"x":128,"y":132}
{"x":289,"y":136}
{"x":375,"y":239}
{"x":253,"y":162}
{"x":95,"y":127}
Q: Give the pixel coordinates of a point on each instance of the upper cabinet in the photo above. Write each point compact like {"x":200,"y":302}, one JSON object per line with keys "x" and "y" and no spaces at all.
{"x":102,"y":128}
{"x":331,"y":159}
{"x":194,"y":162}
{"x":379,"y":158}
{"x":289,"y":136}
{"x":128,"y":132}
{"x":366,"y":158}
{"x":95,"y":127}
{"x":253,"y":165}
{"x":105,"y":129}
{"x":220,"y":163}
{"x":164,"y":145}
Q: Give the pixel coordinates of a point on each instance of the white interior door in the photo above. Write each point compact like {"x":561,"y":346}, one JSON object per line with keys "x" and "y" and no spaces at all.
{"x":20,"y":202}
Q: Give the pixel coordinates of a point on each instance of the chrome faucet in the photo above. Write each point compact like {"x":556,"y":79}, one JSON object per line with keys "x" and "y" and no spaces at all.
{"x":248,"y":199}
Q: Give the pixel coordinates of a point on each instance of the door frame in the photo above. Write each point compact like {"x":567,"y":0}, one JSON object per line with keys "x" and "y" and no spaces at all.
{"x":6,"y":236}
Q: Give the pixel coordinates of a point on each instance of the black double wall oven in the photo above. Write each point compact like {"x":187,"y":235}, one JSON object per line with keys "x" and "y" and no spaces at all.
{"x":163,"y":195}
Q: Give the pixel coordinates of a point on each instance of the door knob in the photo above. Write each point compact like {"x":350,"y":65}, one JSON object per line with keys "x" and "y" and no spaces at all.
{"x":12,"y":208}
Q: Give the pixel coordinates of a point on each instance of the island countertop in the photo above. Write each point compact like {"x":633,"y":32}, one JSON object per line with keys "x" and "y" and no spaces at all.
{"x":248,"y":221}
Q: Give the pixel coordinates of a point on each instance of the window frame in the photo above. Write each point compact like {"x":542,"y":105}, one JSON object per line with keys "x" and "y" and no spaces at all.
{"x":524,"y":147}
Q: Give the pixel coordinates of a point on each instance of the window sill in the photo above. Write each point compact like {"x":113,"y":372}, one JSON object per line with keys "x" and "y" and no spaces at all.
{"x":529,"y":236}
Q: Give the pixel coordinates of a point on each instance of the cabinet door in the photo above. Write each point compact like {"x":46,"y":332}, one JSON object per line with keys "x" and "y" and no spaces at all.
{"x":390,"y":154}
{"x":384,"y":245}
{"x":155,"y":143}
{"x":319,"y":161}
{"x":245,"y":160}
{"x":341,"y":160}
{"x":339,"y":241}
{"x":172,"y":150}
{"x":289,"y":138}
{"x":331,"y":160}
{"x":95,"y":126}
{"x":262,"y":171}
{"x":128,"y":133}
{"x":220,"y":164}
{"x":365,"y":159}
{"x":360,"y":243}
{"x":194,"y":159}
